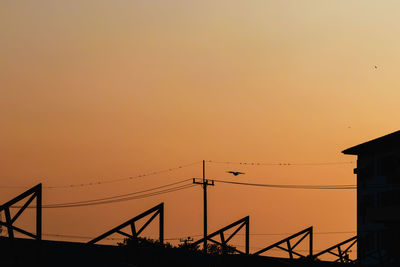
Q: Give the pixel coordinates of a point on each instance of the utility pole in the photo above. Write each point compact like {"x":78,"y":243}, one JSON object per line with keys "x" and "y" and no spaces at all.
{"x":204,"y":183}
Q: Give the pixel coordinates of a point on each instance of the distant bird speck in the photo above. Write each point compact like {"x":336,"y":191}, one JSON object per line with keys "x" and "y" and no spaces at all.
{"x":235,"y":173}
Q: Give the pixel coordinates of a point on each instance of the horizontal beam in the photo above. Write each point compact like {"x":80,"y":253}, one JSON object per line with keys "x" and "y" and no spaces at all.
{"x":22,"y":231}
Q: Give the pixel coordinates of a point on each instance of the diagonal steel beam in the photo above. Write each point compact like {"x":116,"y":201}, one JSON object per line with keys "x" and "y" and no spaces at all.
{"x":235,"y":232}
{"x":350,"y":241}
{"x":242,"y":222}
{"x":147,"y":223}
{"x":124,"y":234}
{"x":306,"y":232}
{"x":222,"y":245}
{"x":23,"y":208}
{"x":34,"y":189}
{"x":34,"y":192}
{"x":158,"y":210}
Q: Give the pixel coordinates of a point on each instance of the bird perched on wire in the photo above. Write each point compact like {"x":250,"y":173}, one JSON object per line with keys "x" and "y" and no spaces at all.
{"x":235,"y":173}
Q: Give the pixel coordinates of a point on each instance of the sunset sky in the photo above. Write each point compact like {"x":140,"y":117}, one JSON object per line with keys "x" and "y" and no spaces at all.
{"x":101,"y":90}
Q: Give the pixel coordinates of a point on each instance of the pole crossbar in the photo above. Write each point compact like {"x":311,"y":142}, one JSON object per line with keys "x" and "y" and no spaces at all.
{"x":157,"y":210}
{"x":224,"y":242}
{"x":342,"y":253}
{"x":33,"y":193}
{"x":290,"y":248}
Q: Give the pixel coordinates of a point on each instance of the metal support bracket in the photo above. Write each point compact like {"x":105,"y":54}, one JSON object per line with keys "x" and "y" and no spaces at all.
{"x":32,"y":194}
{"x":224,"y":240}
{"x":290,"y":248}
{"x":342,"y":248}
{"x":157,"y":210}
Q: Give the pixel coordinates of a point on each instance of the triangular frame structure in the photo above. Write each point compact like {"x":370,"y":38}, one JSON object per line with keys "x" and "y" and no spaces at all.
{"x":157,"y":210}
{"x":34,"y":192}
{"x":342,"y":253}
{"x":224,"y":241}
{"x":290,"y":248}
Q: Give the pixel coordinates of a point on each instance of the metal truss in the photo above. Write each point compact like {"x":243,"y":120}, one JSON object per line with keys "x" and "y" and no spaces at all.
{"x":34,"y":192}
{"x":224,"y":241}
{"x":289,"y":247}
{"x":342,"y":253}
{"x":157,"y":210}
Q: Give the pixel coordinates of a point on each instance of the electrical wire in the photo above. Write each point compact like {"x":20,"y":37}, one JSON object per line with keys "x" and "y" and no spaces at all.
{"x":266,"y":234}
{"x":330,"y":187}
{"x":125,"y":195}
{"x":161,"y":192}
{"x":197,"y":235}
{"x":120,"y":198}
{"x":99,"y":182}
{"x":279,"y":249}
{"x":151,"y":192}
{"x":282,"y":163}
{"x":316,"y":233}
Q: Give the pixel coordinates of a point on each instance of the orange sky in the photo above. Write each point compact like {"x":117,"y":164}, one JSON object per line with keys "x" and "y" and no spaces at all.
{"x":94,"y":90}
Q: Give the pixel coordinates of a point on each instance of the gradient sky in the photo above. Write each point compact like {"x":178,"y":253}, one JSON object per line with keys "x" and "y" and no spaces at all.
{"x":99,"y":90}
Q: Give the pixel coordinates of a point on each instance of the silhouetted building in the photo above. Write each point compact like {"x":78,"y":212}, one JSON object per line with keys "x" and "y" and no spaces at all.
{"x":378,"y":199}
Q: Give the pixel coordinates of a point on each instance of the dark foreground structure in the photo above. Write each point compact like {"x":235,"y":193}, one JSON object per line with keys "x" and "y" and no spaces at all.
{"x":378,"y":200}
{"x":28,"y":252}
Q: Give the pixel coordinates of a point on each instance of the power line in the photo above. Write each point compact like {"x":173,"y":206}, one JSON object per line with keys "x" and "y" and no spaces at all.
{"x":282,"y":163}
{"x":99,"y":182}
{"x":269,"y":234}
{"x":148,"y":193}
{"x":125,"y":195}
{"x":121,"y":198}
{"x":280,"y":250}
{"x":79,"y":236}
{"x":197,"y":235}
{"x":91,"y":237}
{"x":291,"y":186}
{"x":316,"y":233}
{"x":161,"y":192}
{"x":319,"y":187}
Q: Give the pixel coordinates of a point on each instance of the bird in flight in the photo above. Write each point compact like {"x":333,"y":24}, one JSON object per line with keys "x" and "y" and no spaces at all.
{"x":235,"y":173}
